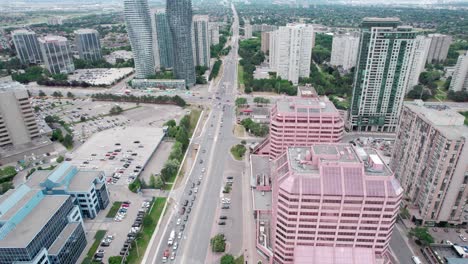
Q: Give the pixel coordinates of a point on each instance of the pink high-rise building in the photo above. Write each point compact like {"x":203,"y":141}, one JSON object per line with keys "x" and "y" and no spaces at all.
{"x":331,"y":198}
{"x":302,"y":121}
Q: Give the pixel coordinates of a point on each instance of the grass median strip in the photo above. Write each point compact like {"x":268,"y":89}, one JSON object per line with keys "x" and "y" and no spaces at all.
{"x":97,"y":240}
{"x":114,"y":209}
{"x":149,"y":224}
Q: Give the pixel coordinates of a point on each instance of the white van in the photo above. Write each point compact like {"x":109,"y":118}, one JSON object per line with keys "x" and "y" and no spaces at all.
{"x":416,"y":260}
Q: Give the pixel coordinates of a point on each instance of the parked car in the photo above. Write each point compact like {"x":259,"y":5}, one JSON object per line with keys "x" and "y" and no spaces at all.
{"x":221,"y":223}
{"x":223,"y":217}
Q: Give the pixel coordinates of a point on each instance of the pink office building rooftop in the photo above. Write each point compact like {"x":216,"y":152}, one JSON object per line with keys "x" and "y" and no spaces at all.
{"x":302,"y":121}
{"x":332,"y":196}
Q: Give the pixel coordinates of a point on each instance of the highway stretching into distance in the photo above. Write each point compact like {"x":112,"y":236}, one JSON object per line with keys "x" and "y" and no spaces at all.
{"x":213,"y":153}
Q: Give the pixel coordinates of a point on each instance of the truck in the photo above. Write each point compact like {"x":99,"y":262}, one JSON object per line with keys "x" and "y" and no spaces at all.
{"x":171,"y":238}
{"x":165,"y":255}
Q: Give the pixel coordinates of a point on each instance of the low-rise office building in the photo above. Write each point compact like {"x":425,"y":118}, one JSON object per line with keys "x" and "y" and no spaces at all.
{"x":39,"y":228}
{"x":87,"y":188}
{"x":57,"y":54}
{"x":158,"y":83}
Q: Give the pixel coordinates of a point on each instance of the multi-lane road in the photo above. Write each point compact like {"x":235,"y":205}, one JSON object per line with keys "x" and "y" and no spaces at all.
{"x":209,"y":168}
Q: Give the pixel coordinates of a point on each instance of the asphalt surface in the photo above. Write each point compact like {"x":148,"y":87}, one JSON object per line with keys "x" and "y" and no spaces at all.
{"x":399,"y":246}
{"x":215,"y":141}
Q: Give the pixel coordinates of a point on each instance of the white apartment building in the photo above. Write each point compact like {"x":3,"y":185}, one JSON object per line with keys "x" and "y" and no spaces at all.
{"x":291,"y":50}
{"x":247,"y":30}
{"x":421,"y":50}
{"x":214,"y":33}
{"x":460,"y":75}
{"x":57,"y":54}
{"x":344,"y":51}
{"x":201,"y":40}
{"x":439,"y":47}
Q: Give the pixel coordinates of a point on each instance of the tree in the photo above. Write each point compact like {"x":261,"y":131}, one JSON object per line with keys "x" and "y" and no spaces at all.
{"x":241,"y":101}
{"x":50,"y":119}
{"x":159,"y":183}
{"x":70,"y":95}
{"x":115,"y":260}
{"x":68,"y":141}
{"x":57,"y":94}
{"x":218,"y":243}
{"x":261,"y":100}
{"x":115,"y":110}
{"x":227,"y":259}
{"x":41,"y":93}
{"x":169,"y":170}
{"x":185,"y":122}
{"x":57,"y":135}
{"x":82,"y":119}
{"x":177,"y":153}
{"x":135,"y":185}
{"x":60,"y":159}
{"x":183,"y":138}
{"x":170,"y":123}
{"x":152,"y":183}
{"x":421,"y":234}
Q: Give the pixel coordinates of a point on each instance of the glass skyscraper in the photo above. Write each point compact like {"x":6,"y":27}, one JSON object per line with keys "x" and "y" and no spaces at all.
{"x":179,"y":17}
{"x":138,"y":21}
{"x":27,"y":46}
{"x":88,"y":44}
{"x":382,"y":74}
{"x":164,"y":39}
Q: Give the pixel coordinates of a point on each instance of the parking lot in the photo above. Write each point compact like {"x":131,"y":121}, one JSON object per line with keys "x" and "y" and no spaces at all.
{"x":452,"y":235}
{"x":118,"y":229}
{"x":120,"y":152}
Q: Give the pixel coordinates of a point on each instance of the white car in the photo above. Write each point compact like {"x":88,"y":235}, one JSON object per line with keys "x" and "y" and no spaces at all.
{"x":174,"y":247}
{"x":462,"y":237}
{"x":179,"y":236}
{"x":195,"y":190}
{"x":172,"y":255}
{"x":203,"y":170}
{"x":178,"y":221}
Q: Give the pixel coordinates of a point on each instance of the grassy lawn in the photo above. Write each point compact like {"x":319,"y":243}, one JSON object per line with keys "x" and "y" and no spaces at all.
{"x":149,"y":226}
{"x":240,"y":78}
{"x":239,"y":260}
{"x":194,"y":116}
{"x":97,"y":240}
{"x":114,"y":209}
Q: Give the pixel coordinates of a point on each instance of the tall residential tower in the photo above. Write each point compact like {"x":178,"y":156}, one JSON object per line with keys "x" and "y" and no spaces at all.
{"x":179,"y":17}
{"x":344,"y":51}
{"x":201,"y":40}
{"x":460,"y":75}
{"x":164,"y":39}
{"x":291,"y":50}
{"x":137,"y":18}
{"x":382,"y":73}
{"x":440,"y":45}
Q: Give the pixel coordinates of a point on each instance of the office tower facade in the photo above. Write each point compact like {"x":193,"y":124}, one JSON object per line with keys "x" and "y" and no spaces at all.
{"x":18,"y":124}
{"x":263,"y":28}
{"x":88,"y":44}
{"x":303,"y":121}
{"x":164,"y":39}
{"x":39,"y":228}
{"x":332,"y":196}
{"x":344,"y":51}
{"x":179,"y":17}
{"x":460,"y":75}
{"x":438,"y":50}
{"x":247,"y":30}
{"x":27,"y":46}
{"x":429,"y":160}
{"x":87,"y":187}
{"x":265,"y":46}
{"x":421,"y":50}
{"x":382,"y":75}
{"x":138,"y":21}
{"x":214,"y":33}
{"x":57,"y":54}
{"x":201,"y":40}
{"x":291,"y":50}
